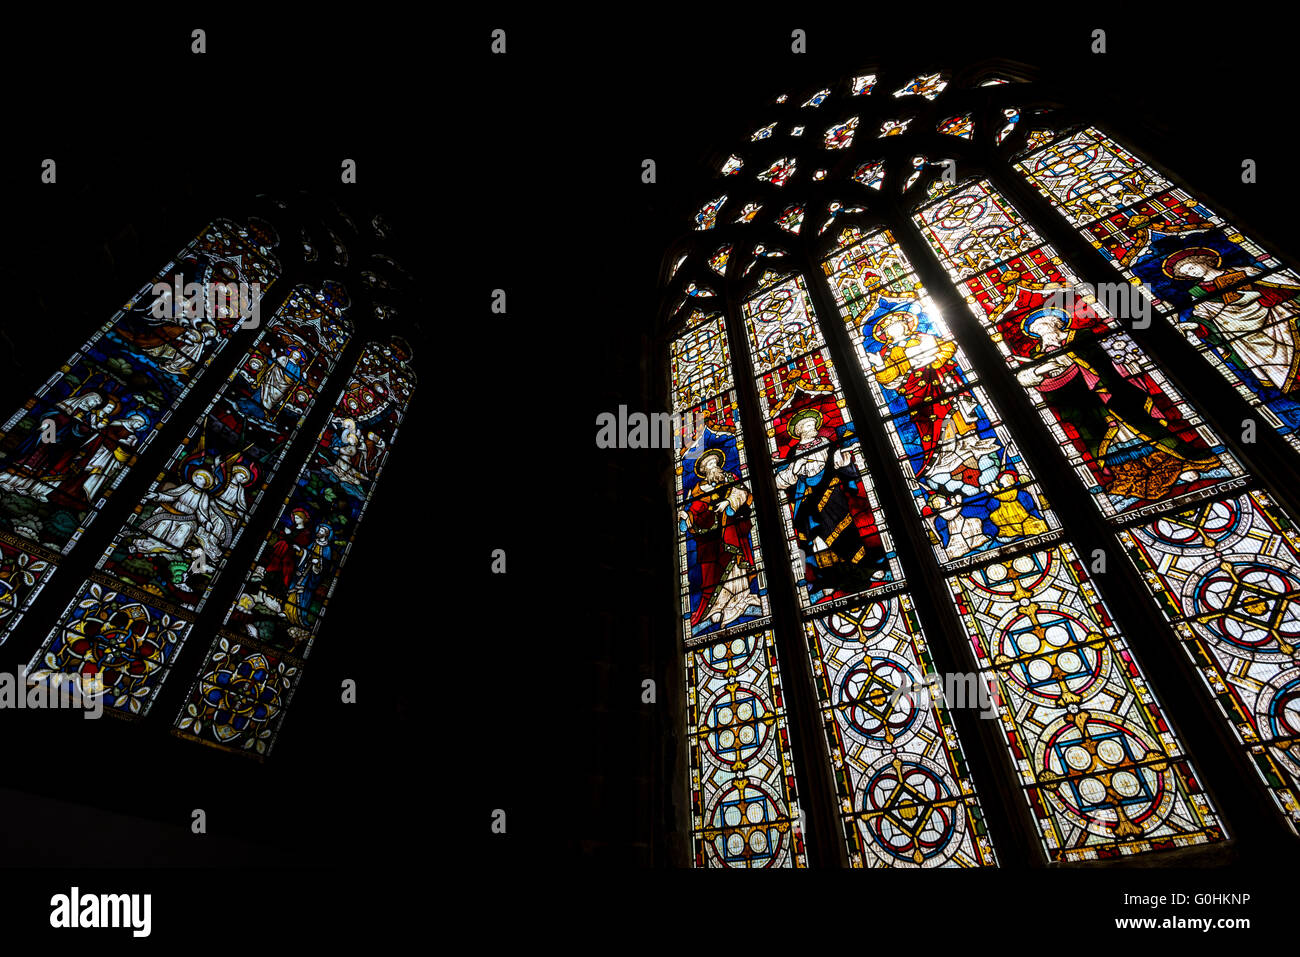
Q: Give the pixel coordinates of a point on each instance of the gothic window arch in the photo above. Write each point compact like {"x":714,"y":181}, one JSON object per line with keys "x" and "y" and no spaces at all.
{"x":924,"y":440}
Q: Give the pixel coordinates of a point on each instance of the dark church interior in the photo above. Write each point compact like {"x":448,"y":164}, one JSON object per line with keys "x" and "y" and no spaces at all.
{"x":517,"y":697}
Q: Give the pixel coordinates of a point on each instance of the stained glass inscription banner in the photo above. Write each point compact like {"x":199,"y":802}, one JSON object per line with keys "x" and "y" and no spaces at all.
{"x":129,"y":619}
{"x":239,"y":697}
{"x":68,"y":448}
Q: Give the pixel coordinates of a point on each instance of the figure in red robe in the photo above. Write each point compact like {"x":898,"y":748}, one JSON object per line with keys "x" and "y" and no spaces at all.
{"x":719,"y":522}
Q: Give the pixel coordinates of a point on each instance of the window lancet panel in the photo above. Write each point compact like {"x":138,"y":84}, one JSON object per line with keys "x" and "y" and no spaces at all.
{"x":720,"y":568}
{"x":1214,"y":284}
{"x":744,"y":795}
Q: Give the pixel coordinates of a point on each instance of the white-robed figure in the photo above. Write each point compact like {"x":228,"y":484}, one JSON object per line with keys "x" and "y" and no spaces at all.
{"x":279,"y":376}
{"x":1259,"y":317}
{"x":348,"y":444}
{"x":230,"y":508}
{"x":182,"y":354}
{"x":37,"y":465}
{"x":181,"y":515}
{"x":113,"y":450}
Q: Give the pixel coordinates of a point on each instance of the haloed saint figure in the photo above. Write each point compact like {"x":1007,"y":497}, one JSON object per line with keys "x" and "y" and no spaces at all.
{"x":832,"y":515}
{"x":1137,"y":442}
{"x":718,"y":521}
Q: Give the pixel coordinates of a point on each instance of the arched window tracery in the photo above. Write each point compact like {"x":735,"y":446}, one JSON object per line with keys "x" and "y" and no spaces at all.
{"x":1102,"y":768}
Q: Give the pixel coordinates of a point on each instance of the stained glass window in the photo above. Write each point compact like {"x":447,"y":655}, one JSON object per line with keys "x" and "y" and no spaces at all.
{"x":833,"y":529}
{"x":708,"y":214}
{"x":862,"y":85}
{"x":928,"y":86}
{"x":791,"y":219}
{"x":870,"y":174}
{"x":240,"y":694}
{"x":962,"y":126}
{"x":1012,"y":116}
{"x":907,"y":794}
{"x":128,"y":621}
{"x":68,"y":448}
{"x":861,"y":391}
{"x":743,"y":792}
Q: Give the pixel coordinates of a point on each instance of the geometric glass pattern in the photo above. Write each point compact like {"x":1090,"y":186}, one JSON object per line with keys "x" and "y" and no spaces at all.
{"x":744,"y":803}
{"x":1102,"y":770}
{"x":905,"y":792}
{"x":1227,"y":576}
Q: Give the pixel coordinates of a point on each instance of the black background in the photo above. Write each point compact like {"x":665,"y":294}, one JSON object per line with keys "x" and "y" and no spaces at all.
{"x":519,"y":172}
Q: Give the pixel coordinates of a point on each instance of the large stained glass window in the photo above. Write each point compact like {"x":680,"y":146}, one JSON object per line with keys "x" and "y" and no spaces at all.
{"x":68,"y":448}
{"x":996,"y":587}
{"x":239,"y":697}
{"x":128,"y":621}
